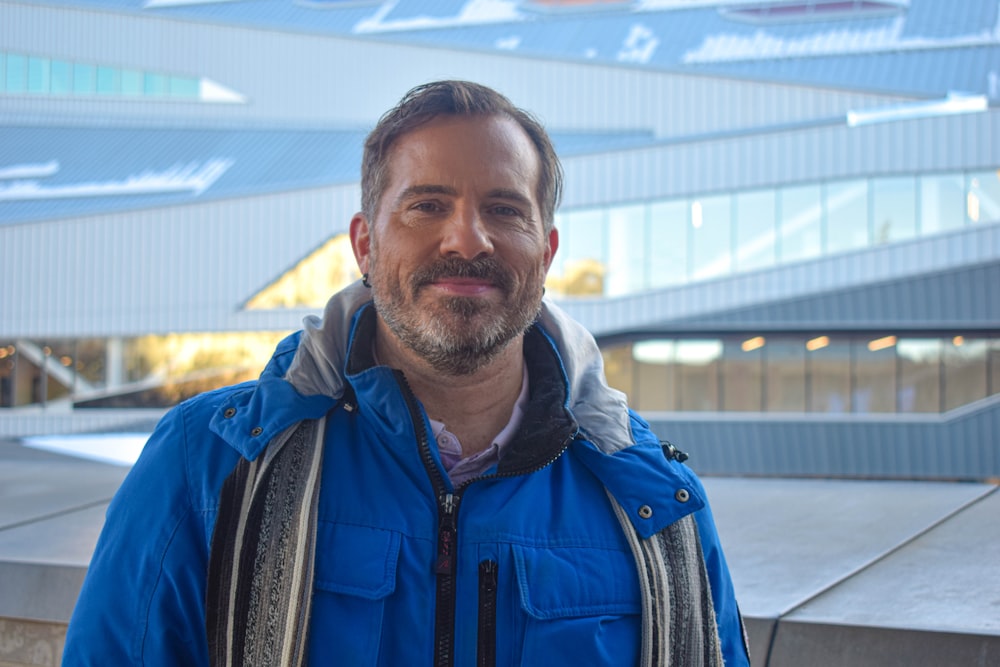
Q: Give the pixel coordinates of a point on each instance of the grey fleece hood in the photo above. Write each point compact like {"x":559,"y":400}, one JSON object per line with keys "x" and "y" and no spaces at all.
{"x":602,"y":412}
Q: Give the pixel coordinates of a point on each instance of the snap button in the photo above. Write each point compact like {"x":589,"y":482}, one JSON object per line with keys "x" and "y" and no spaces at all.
{"x":682,"y":495}
{"x":645,"y":511}
{"x":229,"y":413}
{"x":257,"y":430}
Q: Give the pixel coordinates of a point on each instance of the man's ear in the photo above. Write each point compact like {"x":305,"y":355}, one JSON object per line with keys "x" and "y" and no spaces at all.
{"x":361,"y":241}
{"x":552,"y":241}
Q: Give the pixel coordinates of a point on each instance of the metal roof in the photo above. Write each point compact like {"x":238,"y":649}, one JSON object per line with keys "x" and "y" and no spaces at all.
{"x":55,"y":172}
{"x":963,"y":38}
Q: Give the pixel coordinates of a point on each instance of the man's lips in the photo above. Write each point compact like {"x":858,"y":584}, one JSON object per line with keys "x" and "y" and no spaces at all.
{"x":463,"y":286}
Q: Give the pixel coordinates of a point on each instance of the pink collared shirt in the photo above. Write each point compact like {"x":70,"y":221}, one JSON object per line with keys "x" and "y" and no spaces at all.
{"x":462,"y":469}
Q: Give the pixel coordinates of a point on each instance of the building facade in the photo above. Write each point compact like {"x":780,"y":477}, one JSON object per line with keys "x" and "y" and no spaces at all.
{"x":781,"y":219}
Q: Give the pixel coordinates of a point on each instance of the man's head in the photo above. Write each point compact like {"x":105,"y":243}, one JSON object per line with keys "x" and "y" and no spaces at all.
{"x":455,"y":242}
{"x":454,"y":98}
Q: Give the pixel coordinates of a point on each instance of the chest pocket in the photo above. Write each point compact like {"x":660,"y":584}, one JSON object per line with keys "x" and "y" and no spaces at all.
{"x":581,"y":606}
{"x":355,"y":573}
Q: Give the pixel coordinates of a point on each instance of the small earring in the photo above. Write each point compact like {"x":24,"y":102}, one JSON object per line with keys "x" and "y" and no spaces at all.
{"x":364,"y":281}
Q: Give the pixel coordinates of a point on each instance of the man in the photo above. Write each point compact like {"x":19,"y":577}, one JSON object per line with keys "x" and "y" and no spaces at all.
{"x":435,"y":473}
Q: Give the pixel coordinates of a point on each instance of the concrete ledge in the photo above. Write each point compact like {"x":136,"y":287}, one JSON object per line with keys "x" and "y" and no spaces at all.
{"x":31,"y":643}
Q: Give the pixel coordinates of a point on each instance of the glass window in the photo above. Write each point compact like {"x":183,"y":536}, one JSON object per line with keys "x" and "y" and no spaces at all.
{"x":785,"y":375}
{"x":8,"y":369}
{"x":743,"y":374}
{"x":3,"y":71}
{"x":618,"y":369}
{"x":155,"y":85}
{"x":964,"y":371}
{"x":994,"y":363}
{"x":698,"y":374}
{"x":184,"y":87}
{"x":894,"y":204}
{"x":711,"y":237}
{"x":846,"y":215}
{"x":919,"y":375}
{"x":668,"y":237}
{"x":829,"y":374}
{"x":132,"y":82}
{"x":874,"y":366}
{"x":801,"y":215}
{"x":17,"y":73}
{"x":755,"y":224}
{"x":62,"y":77}
{"x":626,"y":250}
{"x":655,"y":377}
{"x":582,"y":245}
{"x":941,"y":203}
{"x":983,"y":199}
{"x":108,"y":81}
{"x":38,"y":75}
{"x":84,"y":79}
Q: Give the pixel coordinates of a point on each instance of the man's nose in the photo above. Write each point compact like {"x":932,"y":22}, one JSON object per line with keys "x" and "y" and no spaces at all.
{"x":466,"y":235}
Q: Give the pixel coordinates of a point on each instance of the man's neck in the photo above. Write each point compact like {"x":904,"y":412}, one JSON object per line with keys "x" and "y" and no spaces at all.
{"x":474,"y":407}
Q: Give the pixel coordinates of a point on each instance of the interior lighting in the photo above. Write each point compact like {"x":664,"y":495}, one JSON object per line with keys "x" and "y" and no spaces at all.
{"x":3,"y":353}
{"x":958,"y":341}
{"x":817,"y":343}
{"x":696,"y":215}
{"x":751,"y":344}
{"x":972,"y":204}
{"x":881,"y":343}
{"x":66,"y":361}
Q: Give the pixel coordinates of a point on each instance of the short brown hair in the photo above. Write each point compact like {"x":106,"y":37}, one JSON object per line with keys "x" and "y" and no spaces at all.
{"x":454,"y":98}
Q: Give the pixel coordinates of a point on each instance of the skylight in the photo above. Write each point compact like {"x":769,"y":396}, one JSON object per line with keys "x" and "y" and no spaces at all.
{"x":812,"y":10}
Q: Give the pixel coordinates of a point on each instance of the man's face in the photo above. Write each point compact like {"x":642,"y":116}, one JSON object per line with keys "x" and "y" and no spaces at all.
{"x":457,"y":255}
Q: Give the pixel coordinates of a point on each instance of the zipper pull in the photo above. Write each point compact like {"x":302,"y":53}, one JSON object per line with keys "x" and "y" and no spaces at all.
{"x":447,"y":535}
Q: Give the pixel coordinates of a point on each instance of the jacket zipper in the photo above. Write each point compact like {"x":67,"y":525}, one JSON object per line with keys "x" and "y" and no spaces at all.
{"x":446,"y":564}
{"x":486,"y":650}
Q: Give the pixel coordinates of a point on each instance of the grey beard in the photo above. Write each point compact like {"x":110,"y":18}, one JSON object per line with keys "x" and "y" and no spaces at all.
{"x":464,"y":349}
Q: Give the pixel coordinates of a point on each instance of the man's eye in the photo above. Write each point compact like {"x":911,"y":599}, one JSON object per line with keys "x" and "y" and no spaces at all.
{"x":505,"y":211}
{"x":426,"y":207}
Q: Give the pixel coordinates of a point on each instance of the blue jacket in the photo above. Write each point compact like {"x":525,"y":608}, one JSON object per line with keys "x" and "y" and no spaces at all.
{"x":538,"y":530}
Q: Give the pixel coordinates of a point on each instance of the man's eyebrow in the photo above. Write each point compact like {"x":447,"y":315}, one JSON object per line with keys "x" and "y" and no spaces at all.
{"x":512,"y":195}
{"x":420,"y":190}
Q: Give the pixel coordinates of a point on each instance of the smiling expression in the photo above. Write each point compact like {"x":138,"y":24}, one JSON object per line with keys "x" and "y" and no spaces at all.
{"x":457,"y":253}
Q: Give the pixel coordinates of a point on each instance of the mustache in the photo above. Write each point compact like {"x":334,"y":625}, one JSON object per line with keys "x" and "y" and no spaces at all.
{"x":483,"y":268}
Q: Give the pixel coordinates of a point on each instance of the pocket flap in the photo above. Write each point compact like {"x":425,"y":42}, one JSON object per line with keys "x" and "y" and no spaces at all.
{"x":567,"y":582}
{"x":356,"y":560}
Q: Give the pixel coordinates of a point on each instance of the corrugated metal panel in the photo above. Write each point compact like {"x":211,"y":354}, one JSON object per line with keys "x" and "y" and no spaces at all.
{"x":866,"y":288}
{"x":958,"y":446}
{"x":183,"y":268}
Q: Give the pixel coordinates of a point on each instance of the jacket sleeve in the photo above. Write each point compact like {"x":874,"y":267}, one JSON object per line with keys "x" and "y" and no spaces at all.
{"x":142,"y":601}
{"x":727,"y":614}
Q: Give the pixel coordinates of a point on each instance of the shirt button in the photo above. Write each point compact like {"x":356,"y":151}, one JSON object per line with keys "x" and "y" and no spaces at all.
{"x":229,"y":413}
{"x":645,"y":511}
{"x":682,"y":495}
{"x":257,"y":430}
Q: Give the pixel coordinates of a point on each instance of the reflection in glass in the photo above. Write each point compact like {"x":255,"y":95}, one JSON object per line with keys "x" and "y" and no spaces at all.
{"x":84,"y":79}
{"x":919,"y":375}
{"x":846,"y":215}
{"x":801,"y":215}
{"x":829,"y":372}
{"x":785,"y":384}
{"x":668,"y":240}
{"x":755,"y":230}
{"x":894,"y":214}
{"x":711,"y":237}
{"x":874,"y":375}
{"x":16,"y":73}
{"x":698,"y":374}
{"x":38,"y":75}
{"x":983,"y":199}
{"x":941,"y":203}
{"x":581,"y":264}
{"x":655,"y":375}
{"x":61,"y":82}
{"x":743,"y":374}
{"x":618,"y":369}
{"x":626,"y":250}
{"x":964,"y":371}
